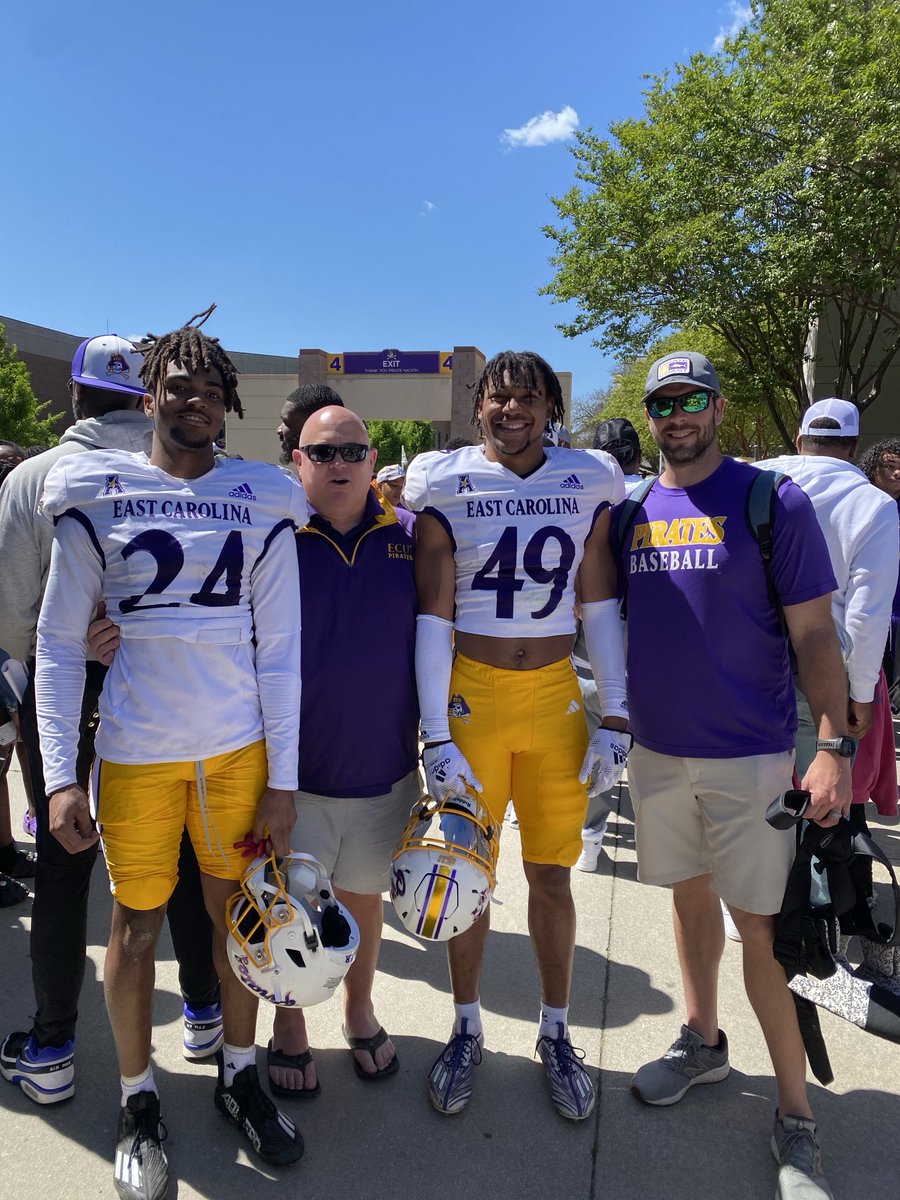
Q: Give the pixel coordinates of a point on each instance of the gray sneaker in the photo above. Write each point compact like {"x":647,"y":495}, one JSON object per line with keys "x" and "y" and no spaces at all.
{"x":796,"y":1150}
{"x":686,"y":1062}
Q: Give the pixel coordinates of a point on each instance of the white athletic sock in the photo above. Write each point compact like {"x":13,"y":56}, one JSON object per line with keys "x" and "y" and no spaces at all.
{"x":236,"y":1058}
{"x":551,"y":1019}
{"x":132,"y":1084}
{"x":472,"y":1014}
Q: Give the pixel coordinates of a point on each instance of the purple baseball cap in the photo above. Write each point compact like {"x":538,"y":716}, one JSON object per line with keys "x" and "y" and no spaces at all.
{"x":109,"y":362}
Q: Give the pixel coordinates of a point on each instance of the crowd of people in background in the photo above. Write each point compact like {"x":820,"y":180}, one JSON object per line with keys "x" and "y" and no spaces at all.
{"x":172,"y":621}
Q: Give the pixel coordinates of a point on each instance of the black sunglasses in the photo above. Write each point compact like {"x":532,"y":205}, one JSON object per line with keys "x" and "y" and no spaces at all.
{"x":323,"y":452}
{"x":693,"y":402}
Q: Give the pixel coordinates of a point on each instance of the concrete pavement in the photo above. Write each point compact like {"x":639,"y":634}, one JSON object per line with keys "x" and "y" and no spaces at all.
{"x":384,"y":1141}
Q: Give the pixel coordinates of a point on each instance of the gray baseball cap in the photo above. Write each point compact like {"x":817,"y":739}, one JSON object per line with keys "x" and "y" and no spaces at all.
{"x":687,"y":366}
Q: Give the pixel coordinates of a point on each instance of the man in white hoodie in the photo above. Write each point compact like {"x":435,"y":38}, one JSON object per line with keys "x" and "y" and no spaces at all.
{"x":860,"y":526}
{"x":107,"y":400}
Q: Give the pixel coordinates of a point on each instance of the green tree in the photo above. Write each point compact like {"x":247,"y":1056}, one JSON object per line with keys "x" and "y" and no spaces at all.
{"x":20,"y":419}
{"x":392,"y":437}
{"x":748,"y":429}
{"x":757,"y":197}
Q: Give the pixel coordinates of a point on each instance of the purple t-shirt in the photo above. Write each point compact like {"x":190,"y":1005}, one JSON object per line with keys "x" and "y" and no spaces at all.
{"x":708,"y":669}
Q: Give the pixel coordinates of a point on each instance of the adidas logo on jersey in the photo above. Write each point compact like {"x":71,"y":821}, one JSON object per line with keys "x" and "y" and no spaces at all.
{"x":242,"y":492}
{"x":574,"y":707}
{"x":573,"y":483}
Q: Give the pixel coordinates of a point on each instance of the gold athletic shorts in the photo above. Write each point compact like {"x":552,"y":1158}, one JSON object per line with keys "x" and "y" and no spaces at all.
{"x":525,"y":737}
{"x":142,"y":809}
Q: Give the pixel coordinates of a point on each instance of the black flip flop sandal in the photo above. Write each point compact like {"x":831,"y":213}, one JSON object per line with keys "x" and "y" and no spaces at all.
{"x":294,"y":1062}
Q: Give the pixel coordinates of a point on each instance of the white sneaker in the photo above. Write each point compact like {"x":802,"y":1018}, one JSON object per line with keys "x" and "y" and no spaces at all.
{"x":591,"y":845}
{"x":511,"y":819}
{"x":731,"y":930}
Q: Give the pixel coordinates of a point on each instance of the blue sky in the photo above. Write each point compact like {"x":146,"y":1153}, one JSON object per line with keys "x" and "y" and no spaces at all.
{"x":333,"y":176}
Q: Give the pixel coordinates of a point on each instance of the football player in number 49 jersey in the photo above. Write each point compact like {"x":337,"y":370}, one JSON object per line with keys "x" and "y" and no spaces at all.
{"x":505,"y":533}
{"x":199,"y":714}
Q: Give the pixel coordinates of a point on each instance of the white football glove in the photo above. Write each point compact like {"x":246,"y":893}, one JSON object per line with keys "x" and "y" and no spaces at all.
{"x":447,"y":774}
{"x":605,"y":760}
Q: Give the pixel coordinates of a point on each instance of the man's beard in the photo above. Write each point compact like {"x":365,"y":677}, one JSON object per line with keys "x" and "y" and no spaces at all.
{"x":681,"y":453}
{"x":187,"y":442}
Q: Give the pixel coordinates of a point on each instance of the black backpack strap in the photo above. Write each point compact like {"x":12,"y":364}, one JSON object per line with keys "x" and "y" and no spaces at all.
{"x":867,"y":847}
{"x":761,"y":522}
{"x":798,"y":947}
{"x":628,"y":512}
{"x":813,"y":1040}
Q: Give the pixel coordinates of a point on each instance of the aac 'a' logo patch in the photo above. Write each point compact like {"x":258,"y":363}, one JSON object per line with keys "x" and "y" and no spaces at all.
{"x":458,"y":708}
{"x":112,"y":487}
{"x":463,"y":485}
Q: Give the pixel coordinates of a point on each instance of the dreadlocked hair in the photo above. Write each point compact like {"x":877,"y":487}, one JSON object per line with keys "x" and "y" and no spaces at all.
{"x":194,"y":350}
{"x":520,"y":369}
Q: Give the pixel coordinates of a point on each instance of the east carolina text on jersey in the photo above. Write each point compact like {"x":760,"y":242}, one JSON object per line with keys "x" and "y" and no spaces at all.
{"x":524,"y":506}
{"x":188,"y":511}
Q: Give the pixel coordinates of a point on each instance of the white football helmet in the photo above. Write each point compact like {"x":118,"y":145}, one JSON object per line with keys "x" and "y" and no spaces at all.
{"x":444,"y":868}
{"x":289,"y":940}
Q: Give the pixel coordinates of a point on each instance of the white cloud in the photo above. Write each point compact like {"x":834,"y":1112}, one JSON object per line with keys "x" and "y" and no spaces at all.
{"x":541,"y":131}
{"x":427,"y":207}
{"x":740,"y":15}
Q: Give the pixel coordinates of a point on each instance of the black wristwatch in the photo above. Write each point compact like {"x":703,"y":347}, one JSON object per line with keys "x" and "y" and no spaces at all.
{"x":844,"y":746}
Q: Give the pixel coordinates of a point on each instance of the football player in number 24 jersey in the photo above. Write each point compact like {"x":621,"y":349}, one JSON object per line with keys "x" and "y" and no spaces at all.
{"x":199,"y":715}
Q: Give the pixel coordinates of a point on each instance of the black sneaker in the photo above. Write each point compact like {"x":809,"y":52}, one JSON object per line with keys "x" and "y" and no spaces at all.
{"x":22,"y":864}
{"x":142,"y":1170}
{"x":11,"y":891}
{"x":272,"y":1135}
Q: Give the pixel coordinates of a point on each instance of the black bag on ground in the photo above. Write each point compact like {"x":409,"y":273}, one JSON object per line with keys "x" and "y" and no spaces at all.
{"x":826,"y":892}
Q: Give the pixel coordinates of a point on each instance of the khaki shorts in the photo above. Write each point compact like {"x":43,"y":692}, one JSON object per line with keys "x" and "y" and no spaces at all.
{"x":699,"y":816}
{"x":354,"y":838}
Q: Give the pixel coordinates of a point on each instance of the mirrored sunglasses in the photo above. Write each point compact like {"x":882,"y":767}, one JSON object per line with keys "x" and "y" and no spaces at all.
{"x":693,"y":402}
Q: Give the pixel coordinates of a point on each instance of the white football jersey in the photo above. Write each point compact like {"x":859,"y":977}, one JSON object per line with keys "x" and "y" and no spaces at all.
{"x":201,"y":576}
{"x":518,"y":543}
